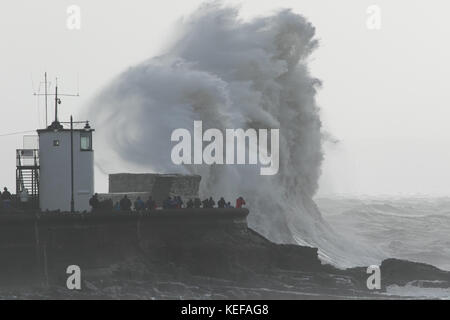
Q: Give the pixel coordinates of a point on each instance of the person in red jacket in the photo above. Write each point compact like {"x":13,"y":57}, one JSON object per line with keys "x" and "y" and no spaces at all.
{"x":240,"y":202}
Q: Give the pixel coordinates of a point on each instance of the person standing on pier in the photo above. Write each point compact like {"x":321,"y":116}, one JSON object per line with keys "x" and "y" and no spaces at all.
{"x":221,"y":203}
{"x":240,"y":202}
{"x":94,"y":203}
{"x":6,"y":198}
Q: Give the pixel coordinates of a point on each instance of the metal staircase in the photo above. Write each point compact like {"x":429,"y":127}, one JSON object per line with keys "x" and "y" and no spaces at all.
{"x":27,"y":175}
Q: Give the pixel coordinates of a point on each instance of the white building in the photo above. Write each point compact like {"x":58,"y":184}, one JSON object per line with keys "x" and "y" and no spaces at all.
{"x":55,"y":173}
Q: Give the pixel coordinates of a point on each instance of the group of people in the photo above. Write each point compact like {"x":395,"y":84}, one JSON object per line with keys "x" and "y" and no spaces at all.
{"x":175,"y":202}
{"x":139,"y":204}
{"x":207,"y":203}
{"x":20,"y":202}
{"x":124,"y":204}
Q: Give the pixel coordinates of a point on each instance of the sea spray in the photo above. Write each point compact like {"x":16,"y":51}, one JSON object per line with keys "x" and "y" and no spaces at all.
{"x":230,"y":73}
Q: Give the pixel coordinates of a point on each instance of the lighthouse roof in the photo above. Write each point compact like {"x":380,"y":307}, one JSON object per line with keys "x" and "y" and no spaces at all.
{"x":57,"y":126}
{"x":63,"y":130}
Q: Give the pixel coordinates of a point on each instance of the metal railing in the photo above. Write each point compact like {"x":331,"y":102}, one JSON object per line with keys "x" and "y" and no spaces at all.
{"x":27,"y":174}
{"x":27,"y":158}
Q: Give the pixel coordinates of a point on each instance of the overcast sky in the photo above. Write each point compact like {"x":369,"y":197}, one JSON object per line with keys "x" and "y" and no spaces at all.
{"x":385,"y":94}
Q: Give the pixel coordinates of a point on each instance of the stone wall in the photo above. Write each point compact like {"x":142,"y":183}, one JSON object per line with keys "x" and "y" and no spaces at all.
{"x":35,"y":247}
{"x":159,"y":186}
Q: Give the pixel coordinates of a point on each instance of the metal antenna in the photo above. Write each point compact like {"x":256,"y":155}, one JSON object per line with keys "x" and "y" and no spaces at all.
{"x":46,"y":121}
{"x":57,"y":100}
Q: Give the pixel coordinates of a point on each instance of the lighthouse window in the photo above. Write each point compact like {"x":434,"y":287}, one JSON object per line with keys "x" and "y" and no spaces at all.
{"x":86,"y":141}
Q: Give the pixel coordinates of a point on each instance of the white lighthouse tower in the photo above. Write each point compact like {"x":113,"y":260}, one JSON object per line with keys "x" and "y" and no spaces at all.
{"x":66,"y":173}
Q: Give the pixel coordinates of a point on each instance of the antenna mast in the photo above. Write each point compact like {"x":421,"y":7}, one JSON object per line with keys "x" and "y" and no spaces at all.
{"x":57,"y":101}
{"x":46,"y":121}
{"x":55,"y":124}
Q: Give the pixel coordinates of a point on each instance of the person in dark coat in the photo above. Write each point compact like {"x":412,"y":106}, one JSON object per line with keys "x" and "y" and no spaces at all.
{"x":6,"y":195}
{"x":211,"y":202}
{"x":221,"y":203}
{"x":6,"y":199}
{"x":94,"y":203}
{"x":125,"y":204}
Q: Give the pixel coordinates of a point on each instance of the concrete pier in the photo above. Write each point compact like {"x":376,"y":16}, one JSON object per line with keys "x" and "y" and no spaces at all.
{"x":36,"y":247}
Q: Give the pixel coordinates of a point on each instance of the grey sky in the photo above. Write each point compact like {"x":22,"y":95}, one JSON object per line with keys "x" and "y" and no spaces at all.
{"x":384,"y":98}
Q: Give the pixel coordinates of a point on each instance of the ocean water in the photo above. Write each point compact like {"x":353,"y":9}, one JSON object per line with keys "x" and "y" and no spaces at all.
{"x":414,"y":291}
{"x":411,"y":228}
